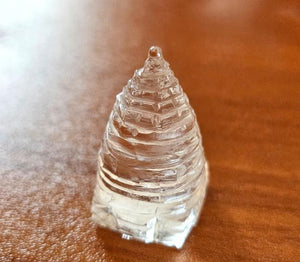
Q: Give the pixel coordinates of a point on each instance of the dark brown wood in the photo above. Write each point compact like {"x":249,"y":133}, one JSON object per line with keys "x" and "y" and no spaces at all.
{"x":61,"y":65}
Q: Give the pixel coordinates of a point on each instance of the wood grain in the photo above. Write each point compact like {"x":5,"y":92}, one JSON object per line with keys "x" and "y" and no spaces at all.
{"x":61,"y":65}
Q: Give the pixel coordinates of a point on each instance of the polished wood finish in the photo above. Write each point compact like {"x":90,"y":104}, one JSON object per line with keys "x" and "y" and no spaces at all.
{"x":61,"y":65}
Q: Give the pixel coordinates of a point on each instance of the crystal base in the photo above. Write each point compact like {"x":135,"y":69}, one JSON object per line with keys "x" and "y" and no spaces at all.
{"x":165,"y":223}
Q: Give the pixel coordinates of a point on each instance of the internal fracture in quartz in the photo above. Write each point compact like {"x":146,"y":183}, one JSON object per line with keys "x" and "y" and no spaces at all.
{"x":152,"y":173}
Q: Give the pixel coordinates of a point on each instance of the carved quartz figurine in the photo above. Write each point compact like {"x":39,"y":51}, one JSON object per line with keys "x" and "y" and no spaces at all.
{"x":152,"y":172}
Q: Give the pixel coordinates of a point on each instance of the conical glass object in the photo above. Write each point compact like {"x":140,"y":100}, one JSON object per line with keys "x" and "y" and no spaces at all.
{"x":152,"y":172}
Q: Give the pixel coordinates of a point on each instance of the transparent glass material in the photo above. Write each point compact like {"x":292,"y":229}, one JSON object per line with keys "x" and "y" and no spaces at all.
{"x":152,"y":172}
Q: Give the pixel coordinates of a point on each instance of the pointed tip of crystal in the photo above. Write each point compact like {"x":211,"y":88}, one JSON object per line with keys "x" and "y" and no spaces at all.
{"x":155,"y":64}
{"x":155,"y":52}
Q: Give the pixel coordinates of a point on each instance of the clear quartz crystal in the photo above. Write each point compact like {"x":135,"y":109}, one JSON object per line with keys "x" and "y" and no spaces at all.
{"x":152,"y":172}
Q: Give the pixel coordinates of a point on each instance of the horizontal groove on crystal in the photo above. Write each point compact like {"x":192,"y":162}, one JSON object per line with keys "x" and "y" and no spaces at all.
{"x":137,"y":151}
{"x":149,"y":136}
{"x":150,"y":185}
{"x":174,"y":195}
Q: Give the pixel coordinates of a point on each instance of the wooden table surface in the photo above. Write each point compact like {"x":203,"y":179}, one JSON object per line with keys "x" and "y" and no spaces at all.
{"x":61,"y":65}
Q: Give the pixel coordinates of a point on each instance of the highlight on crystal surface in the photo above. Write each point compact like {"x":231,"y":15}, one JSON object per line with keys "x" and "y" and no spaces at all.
{"x":152,"y":172}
